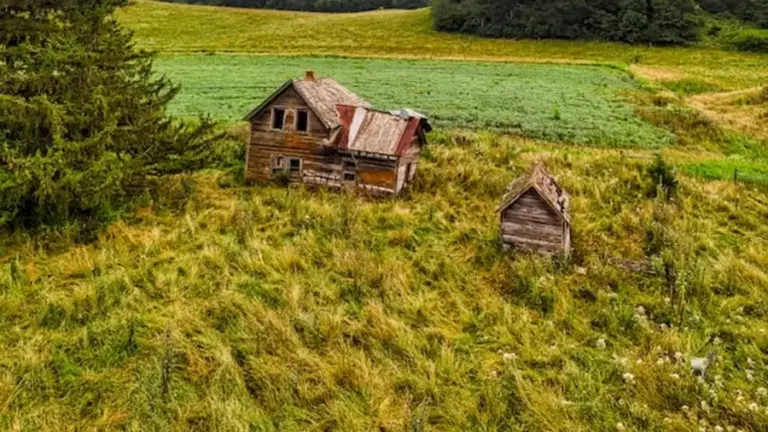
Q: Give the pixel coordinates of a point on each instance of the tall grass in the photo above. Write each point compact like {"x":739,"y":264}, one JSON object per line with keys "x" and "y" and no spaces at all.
{"x":270,"y":308}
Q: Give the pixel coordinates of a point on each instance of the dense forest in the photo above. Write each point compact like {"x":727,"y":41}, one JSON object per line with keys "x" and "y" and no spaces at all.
{"x":647,"y":21}
{"x":314,"y":5}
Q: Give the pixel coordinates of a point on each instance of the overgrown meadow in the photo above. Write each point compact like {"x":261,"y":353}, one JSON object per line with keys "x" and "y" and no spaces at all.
{"x":223,"y":307}
{"x":219,"y":306}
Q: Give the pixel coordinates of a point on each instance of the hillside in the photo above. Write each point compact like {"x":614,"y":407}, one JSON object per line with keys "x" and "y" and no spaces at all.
{"x":220,"y":306}
{"x":175,"y":28}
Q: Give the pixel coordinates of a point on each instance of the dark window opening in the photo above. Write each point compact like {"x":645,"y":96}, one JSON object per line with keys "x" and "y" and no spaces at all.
{"x":302,"y":121}
{"x":295,"y":165}
{"x":349,"y":176}
{"x":278,"y":118}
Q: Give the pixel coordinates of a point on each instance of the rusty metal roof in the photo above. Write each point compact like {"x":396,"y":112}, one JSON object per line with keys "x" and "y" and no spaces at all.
{"x":545,"y":184}
{"x":321,"y":95}
{"x":367,"y":130}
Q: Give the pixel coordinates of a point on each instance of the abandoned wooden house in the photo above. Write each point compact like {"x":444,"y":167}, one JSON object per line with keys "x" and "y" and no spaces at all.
{"x":315,"y":131}
{"x":535,"y":214}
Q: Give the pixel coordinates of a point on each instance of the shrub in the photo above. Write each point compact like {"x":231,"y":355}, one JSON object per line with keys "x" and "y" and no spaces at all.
{"x":750,"y":42}
{"x":663,"y":177}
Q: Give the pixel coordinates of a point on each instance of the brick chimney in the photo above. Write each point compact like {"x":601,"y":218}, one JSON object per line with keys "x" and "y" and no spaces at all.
{"x":310,"y":76}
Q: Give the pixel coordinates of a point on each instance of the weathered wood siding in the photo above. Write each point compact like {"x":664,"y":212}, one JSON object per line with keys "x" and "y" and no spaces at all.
{"x":267,"y":143}
{"x":320,"y":165}
{"x":530,"y":223}
{"x":404,"y":176}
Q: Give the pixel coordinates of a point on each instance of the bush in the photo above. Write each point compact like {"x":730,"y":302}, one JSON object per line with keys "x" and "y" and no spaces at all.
{"x":634,"y":21}
{"x":750,"y":42}
{"x":663,"y":178}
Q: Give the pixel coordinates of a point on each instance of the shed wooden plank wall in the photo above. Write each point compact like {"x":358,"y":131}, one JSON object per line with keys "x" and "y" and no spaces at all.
{"x":531,"y":223}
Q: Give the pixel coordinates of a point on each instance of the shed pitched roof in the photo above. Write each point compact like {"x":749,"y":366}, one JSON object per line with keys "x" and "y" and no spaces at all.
{"x":321,"y":95}
{"x":367,"y":130}
{"x":545,"y":184}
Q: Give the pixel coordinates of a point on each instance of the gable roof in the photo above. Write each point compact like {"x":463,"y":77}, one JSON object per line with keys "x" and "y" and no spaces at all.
{"x":367,"y":130}
{"x":545,"y":184}
{"x":321,"y":95}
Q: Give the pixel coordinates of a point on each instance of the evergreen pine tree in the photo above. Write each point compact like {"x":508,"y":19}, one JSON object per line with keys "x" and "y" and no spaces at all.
{"x":83,"y":123}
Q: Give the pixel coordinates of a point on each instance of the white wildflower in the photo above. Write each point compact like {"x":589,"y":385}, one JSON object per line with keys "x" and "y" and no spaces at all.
{"x":684,"y":408}
{"x":620,"y":427}
{"x":762,"y":392}
{"x":628,"y":378}
{"x":640,"y":310}
{"x":600,"y":343}
{"x":674,"y":376}
{"x":508,"y":357}
{"x":753,"y":406}
{"x":719,"y":428}
{"x":750,"y":362}
{"x":750,"y":375}
{"x":704,"y":406}
{"x":678,"y":356}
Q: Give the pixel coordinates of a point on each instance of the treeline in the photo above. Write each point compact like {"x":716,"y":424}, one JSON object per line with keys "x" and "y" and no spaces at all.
{"x":634,"y":21}
{"x":314,"y":5}
{"x":752,"y":11}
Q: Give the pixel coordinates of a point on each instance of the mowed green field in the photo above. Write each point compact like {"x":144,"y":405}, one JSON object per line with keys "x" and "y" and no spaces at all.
{"x":579,"y":104}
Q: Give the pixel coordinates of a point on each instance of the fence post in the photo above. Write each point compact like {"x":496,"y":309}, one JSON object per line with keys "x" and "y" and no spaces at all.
{"x":736,"y":175}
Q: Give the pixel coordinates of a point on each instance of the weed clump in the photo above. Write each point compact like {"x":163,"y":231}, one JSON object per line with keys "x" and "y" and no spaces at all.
{"x":663,"y":177}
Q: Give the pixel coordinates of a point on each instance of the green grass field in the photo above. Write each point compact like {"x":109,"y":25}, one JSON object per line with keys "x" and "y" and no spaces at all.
{"x":174,"y":28}
{"x":580,"y":104}
{"x":222,"y":307}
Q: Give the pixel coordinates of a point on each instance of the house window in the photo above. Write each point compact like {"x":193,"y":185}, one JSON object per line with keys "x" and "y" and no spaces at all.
{"x":278,"y":118}
{"x":302,"y":120}
{"x":277,"y":165}
{"x":294,"y":165}
{"x":350,"y":176}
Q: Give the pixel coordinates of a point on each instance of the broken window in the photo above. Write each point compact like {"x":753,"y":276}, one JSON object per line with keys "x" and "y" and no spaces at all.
{"x":302,"y":120}
{"x":277,"y":165}
{"x":278,"y":118}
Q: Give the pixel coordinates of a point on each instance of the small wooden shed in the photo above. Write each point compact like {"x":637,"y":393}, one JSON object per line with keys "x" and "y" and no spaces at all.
{"x":535,"y":214}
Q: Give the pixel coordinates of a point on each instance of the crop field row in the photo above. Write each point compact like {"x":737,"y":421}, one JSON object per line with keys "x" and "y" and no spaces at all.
{"x":579,"y":104}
